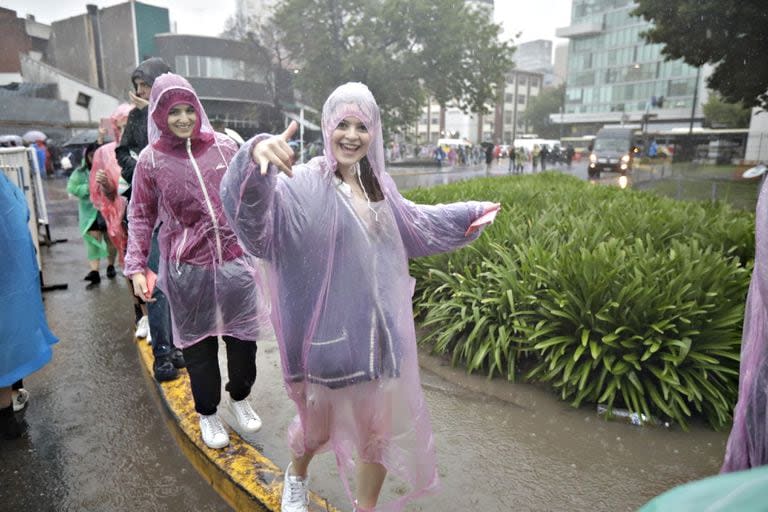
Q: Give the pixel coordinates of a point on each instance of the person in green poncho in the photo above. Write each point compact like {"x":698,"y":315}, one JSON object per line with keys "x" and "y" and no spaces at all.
{"x":92,"y":225}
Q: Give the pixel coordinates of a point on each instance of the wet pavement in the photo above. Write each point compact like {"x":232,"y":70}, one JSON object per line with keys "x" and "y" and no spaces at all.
{"x":97,"y":438}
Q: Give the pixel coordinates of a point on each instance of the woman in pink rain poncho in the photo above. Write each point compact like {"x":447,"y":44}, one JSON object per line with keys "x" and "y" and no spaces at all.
{"x":207,"y":278}
{"x":337,"y":236}
{"x":748,"y":442}
{"x":105,"y":181}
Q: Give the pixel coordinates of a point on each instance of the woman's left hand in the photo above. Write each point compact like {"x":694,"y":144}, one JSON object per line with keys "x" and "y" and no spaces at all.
{"x":488,"y":208}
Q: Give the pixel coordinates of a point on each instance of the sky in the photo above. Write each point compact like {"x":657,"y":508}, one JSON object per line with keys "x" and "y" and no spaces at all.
{"x":535,"y":19}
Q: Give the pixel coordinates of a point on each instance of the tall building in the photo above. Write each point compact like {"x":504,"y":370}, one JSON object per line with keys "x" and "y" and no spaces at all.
{"x":614,"y":75}
{"x":19,"y":36}
{"x":104,"y":46}
{"x":537,"y":56}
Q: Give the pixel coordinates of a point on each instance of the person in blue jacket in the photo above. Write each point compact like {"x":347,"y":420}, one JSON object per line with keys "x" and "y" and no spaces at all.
{"x":25,"y":339}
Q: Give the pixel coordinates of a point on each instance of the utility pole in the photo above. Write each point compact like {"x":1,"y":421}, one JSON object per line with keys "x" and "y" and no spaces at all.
{"x":695,"y":99}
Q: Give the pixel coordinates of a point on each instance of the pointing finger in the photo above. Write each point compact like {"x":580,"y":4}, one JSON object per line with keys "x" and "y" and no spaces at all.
{"x":290,"y":131}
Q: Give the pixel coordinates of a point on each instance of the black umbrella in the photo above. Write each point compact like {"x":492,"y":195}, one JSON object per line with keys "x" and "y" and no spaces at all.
{"x":84,"y":138}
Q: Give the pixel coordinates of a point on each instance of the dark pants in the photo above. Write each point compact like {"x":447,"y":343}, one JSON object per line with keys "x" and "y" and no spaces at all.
{"x":205,"y":378}
{"x":159,"y":312}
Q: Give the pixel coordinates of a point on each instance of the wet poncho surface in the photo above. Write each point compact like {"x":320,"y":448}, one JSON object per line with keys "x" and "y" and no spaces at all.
{"x":25,"y":340}
{"x":341,"y":299}
{"x":211,"y":284}
{"x":748,"y":442}
{"x":112,"y":206}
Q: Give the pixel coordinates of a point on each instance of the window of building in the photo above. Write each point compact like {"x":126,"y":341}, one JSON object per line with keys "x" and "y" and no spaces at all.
{"x":521,"y":81}
{"x":509,"y":97}
{"x":210,"y":67}
{"x":534,"y":82}
{"x":507,"y":117}
{"x":521,"y":99}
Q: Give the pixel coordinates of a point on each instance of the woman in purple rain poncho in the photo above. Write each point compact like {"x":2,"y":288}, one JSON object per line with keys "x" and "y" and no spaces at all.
{"x":337,"y":235}
{"x":748,"y":443}
{"x":207,"y":278}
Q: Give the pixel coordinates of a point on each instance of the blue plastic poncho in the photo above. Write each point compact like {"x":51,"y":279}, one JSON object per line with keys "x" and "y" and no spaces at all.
{"x":25,"y":340}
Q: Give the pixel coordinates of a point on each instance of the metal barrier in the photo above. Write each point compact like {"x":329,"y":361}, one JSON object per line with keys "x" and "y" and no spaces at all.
{"x":20,"y":166}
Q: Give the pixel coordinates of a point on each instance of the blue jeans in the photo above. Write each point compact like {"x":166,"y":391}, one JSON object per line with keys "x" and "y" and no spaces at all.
{"x":159,"y":312}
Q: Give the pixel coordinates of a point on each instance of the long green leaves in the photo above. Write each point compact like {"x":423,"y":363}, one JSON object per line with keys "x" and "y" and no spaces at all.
{"x":612,"y":296}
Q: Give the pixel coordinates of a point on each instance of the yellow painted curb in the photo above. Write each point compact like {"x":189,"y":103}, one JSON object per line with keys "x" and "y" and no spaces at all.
{"x":240,"y":474}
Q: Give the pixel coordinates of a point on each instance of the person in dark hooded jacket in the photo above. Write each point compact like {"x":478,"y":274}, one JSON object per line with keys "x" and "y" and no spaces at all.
{"x":155,"y":325}
{"x":135,"y":135}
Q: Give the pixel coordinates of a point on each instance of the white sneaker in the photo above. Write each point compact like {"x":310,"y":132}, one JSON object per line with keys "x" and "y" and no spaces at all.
{"x":295,"y":493}
{"x":149,"y":337}
{"x":20,"y":399}
{"x":214,"y":434}
{"x":245,"y":416}
{"x":142,"y":328}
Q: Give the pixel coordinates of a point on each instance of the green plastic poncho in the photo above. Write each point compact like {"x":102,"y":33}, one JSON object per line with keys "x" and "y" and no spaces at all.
{"x":78,"y":186}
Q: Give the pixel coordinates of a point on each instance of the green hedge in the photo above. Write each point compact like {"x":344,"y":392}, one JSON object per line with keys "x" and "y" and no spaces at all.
{"x":612,"y":296}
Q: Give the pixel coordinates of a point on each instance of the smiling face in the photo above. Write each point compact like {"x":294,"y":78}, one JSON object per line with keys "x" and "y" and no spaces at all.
{"x":349,"y":142}
{"x":181,"y":120}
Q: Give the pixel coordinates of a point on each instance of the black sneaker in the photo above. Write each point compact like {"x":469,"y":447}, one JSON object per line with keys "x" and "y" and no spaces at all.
{"x":111,"y":273}
{"x":93,"y":276}
{"x":164,"y":370}
{"x":177,"y":358}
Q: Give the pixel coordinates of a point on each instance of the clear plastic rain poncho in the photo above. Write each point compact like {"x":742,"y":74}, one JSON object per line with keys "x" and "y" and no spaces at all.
{"x":211,"y":284}
{"x":748,"y":443}
{"x":112,"y":206}
{"x":25,"y":340}
{"x":341,"y":299}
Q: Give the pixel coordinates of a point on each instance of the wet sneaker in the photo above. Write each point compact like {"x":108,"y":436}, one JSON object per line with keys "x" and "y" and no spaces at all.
{"x":177,"y":358}
{"x":93,"y":276}
{"x":164,"y":370}
{"x":212,"y":429}
{"x":111,"y":272}
{"x":142,"y":328}
{"x":20,"y":399}
{"x":295,"y":493}
{"x":245,"y":416}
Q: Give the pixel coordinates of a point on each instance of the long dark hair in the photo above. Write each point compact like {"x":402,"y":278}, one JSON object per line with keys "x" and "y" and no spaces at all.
{"x":369,"y":181}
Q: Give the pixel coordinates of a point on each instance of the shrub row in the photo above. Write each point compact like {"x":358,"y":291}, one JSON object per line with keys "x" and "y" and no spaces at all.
{"x":612,"y":296}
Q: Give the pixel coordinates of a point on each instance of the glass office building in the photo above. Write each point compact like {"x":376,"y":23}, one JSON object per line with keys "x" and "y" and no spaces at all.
{"x":613,"y":74}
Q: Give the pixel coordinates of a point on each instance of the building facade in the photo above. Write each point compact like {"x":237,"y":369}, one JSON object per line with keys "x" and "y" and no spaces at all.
{"x":19,"y":36}
{"x":520,"y":87}
{"x":103,"y":46}
{"x":614,"y":76}
{"x":230,"y":81}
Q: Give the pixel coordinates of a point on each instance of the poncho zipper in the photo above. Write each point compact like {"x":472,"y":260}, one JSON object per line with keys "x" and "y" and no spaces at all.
{"x":207,"y":201}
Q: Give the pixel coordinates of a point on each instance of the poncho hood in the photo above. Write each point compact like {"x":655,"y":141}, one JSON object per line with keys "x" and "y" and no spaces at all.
{"x":169,"y":91}
{"x":149,"y":70}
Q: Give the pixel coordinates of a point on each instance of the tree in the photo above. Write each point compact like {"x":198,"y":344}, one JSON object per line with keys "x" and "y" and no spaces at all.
{"x":270,"y":64}
{"x":404,"y":50}
{"x":720,"y":114}
{"x":537,"y":112}
{"x":730,"y":34}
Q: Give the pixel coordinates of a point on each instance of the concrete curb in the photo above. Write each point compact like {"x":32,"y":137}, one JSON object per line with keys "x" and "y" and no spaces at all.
{"x":239,"y":473}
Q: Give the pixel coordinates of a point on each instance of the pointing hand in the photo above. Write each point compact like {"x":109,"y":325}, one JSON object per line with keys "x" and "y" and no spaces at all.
{"x":275,"y":150}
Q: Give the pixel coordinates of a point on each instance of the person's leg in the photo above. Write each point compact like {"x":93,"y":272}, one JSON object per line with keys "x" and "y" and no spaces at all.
{"x":94,"y":264}
{"x":160,"y":329}
{"x":370,"y":478}
{"x":9,"y":428}
{"x":204,"y":374}
{"x":241,"y":364}
{"x":111,"y":257}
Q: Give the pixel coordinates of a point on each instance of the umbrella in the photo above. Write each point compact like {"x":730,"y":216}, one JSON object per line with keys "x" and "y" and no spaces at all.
{"x":33,"y":136}
{"x":84,"y":138}
{"x":10,"y":140}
